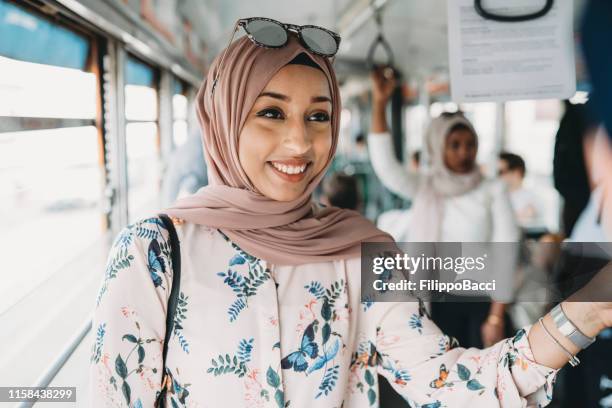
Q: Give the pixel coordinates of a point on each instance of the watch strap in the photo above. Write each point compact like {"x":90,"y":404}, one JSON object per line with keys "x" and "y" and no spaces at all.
{"x":569,"y":330}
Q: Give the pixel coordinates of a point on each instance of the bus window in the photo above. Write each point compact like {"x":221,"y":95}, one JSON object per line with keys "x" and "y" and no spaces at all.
{"x":142,"y":138}
{"x":50,"y":172}
{"x":52,"y":176}
{"x":25,"y":36}
{"x":179,"y":113}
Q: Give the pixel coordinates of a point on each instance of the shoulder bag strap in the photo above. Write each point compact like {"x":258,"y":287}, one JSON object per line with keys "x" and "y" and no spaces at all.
{"x":175,"y":253}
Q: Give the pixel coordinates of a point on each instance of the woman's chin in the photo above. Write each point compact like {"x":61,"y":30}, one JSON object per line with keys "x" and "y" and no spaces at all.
{"x":279,"y":189}
{"x":462,"y":170}
{"x":285,"y":194}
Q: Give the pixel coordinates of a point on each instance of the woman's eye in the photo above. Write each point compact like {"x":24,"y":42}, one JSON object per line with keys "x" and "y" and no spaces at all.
{"x":320,"y":117}
{"x":270,"y":114}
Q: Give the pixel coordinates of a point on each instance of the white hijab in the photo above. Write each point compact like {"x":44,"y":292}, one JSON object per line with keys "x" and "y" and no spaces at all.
{"x":440,"y":182}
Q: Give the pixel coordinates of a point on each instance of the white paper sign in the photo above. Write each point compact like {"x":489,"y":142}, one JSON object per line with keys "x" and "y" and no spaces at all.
{"x":495,"y":61}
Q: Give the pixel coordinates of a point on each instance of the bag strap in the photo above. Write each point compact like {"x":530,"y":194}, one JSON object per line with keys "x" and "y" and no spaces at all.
{"x":175,"y":255}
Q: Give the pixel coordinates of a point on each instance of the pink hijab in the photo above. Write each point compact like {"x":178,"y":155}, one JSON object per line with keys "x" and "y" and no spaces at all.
{"x":440,"y":183}
{"x":289,"y":233}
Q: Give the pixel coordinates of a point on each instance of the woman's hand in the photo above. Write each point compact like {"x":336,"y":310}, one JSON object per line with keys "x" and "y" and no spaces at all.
{"x":382,"y":88}
{"x":492,"y":330}
{"x":605,"y":313}
{"x":589,"y":317}
{"x":383,"y":84}
{"x":594,"y":313}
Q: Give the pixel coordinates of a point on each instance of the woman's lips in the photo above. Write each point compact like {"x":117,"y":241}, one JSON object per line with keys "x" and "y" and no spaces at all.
{"x":295,"y":177}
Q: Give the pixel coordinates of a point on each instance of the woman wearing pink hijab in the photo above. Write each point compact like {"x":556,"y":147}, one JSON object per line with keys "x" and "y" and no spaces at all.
{"x":269,"y":312}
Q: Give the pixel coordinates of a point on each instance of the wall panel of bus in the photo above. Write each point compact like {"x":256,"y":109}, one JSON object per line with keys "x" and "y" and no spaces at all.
{"x":87,"y":122}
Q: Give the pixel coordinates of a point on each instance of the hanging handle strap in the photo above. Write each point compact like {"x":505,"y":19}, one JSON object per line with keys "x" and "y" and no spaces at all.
{"x":379,"y":41}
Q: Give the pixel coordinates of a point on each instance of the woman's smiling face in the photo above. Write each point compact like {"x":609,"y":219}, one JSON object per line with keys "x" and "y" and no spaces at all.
{"x":287,"y":136}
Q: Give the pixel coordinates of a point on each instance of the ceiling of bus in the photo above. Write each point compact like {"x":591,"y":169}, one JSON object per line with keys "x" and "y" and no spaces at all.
{"x":416,"y":29}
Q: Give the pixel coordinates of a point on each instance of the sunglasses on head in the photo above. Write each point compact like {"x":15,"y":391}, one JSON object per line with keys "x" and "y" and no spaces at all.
{"x":268,"y":33}
{"x":452,"y":114}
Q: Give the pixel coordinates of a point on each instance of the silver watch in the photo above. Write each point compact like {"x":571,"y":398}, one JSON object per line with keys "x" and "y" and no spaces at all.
{"x":569,"y":330}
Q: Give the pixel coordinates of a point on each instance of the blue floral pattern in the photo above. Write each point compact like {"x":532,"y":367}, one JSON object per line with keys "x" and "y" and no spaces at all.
{"x":243,"y":284}
{"x":158,"y":252}
{"x":251,"y":334}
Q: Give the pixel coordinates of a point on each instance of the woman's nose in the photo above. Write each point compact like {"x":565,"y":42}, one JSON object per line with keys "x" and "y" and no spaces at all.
{"x":466,"y":153}
{"x":297,"y":138}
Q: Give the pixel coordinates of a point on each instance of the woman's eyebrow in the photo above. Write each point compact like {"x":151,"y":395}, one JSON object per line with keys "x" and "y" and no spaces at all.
{"x":282,"y":97}
{"x":275,"y":95}
{"x":321,"y":99}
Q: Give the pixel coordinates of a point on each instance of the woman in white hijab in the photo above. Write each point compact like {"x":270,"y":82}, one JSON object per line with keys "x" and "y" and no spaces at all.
{"x":452,"y":202}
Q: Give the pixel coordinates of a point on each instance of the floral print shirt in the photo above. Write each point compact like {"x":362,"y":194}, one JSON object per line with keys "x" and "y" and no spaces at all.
{"x":248,"y":333}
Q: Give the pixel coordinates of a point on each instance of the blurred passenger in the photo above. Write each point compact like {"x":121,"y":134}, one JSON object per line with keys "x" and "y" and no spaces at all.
{"x":596,"y":33}
{"x":452,"y":203}
{"x":538,"y":258}
{"x":186,"y":171}
{"x":594,"y":224}
{"x":584,"y":386}
{"x":342,"y":191}
{"x":395,"y":222}
{"x":569,"y":169}
{"x":511,"y":169}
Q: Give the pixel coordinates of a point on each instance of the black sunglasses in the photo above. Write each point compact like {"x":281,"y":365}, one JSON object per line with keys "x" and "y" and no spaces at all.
{"x":268,"y":33}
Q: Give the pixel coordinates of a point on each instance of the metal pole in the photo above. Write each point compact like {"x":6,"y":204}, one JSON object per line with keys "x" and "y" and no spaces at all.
{"x":114,"y":128}
{"x":57,"y":365}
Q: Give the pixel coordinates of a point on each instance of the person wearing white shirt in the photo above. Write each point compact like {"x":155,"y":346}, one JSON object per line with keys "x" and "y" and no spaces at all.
{"x":453,"y":202}
{"x":511,"y":169}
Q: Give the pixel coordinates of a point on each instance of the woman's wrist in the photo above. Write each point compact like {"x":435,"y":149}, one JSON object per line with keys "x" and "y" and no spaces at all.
{"x":379,"y":119}
{"x":495,"y":319}
{"x":496,"y":313}
{"x":586,"y":316}
{"x":379,"y":104}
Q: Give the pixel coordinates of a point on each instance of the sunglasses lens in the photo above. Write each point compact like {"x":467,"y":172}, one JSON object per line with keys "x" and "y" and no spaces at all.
{"x":319,"y":40}
{"x":267,"y":33}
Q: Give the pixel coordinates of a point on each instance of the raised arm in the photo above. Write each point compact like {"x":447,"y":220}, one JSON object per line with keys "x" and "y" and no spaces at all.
{"x":388,"y":169}
{"x":426,"y":367}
